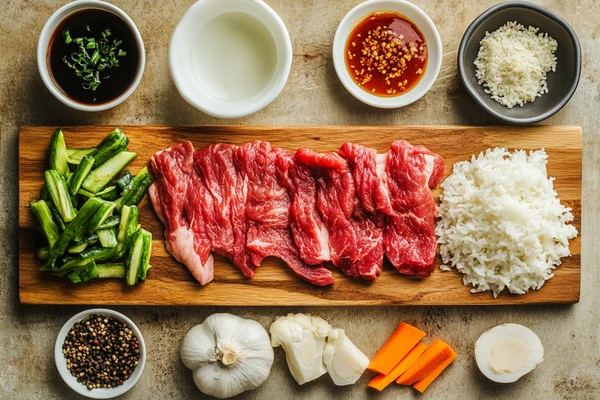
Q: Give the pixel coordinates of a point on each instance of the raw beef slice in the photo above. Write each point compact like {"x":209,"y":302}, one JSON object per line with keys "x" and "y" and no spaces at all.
{"x":371,"y":197}
{"x":172,"y":198}
{"x":409,"y":231}
{"x":267,"y":213}
{"x":308,"y":230}
{"x":224,"y":214}
{"x":354,"y":239}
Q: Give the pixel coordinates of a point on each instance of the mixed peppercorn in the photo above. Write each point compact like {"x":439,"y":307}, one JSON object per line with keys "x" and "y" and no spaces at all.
{"x":101,"y":351}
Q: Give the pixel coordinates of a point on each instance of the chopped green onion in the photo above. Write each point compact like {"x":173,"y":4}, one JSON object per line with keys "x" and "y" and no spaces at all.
{"x":67,"y":37}
{"x":88,"y":65}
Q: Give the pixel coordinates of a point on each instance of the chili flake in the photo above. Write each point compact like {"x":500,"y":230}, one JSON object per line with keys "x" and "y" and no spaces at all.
{"x":386,"y":54}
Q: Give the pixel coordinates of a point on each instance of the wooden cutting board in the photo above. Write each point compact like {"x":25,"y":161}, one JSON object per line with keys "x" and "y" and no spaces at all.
{"x":169,"y":283}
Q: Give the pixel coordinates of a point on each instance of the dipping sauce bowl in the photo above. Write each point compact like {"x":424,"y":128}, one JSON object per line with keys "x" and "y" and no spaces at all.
{"x":116,"y":83}
{"x":230,"y":58}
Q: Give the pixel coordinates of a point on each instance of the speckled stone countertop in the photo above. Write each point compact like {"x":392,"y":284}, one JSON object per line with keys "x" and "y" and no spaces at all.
{"x":313,"y":95}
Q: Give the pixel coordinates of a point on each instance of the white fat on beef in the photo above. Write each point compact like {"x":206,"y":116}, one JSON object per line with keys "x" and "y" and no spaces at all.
{"x":324,"y":243}
{"x":380,"y":162}
{"x":429,"y":166}
{"x":182,"y":248}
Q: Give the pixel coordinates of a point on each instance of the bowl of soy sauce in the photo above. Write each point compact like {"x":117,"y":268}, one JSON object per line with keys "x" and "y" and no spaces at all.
{"x":90,"y":55}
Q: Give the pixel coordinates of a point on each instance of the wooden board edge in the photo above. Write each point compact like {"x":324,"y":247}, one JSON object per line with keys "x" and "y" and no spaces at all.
{"x":488,"y":302}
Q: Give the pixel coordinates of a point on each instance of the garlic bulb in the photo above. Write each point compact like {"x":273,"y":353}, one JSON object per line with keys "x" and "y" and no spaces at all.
{"x":227,"y":354}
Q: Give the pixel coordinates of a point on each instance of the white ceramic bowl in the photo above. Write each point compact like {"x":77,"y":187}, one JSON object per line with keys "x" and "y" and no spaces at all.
{"x":230,"y":30}
{"x":420,"y":19}
{"x":44,"y":41}
{"x":71,"y":381}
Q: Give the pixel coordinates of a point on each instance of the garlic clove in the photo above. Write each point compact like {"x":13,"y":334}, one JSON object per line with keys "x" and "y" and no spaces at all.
{"x":344,"y":361}
{"x":303,"y":340}
{"x":305,"y":358}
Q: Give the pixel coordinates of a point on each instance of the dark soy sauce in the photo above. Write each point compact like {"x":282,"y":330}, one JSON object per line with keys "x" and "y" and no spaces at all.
{"x":121,"y":77}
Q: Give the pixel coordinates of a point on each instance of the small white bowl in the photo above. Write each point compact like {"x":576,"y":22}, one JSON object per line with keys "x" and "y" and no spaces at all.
{"x":44,"y":41}
{"x":208,"y":45}
{"x":420,"y":19}
{"x":71,"y":381}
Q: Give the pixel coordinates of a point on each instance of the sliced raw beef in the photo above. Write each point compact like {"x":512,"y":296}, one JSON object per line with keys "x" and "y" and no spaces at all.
{"x":309,"y":233}
{"x":372,"y":196}
{"x":370,"y":180}
{"x":267,"y":213}
{"x":224,"y":212}
{"x":355,"y":241}
{"x":409,"y":232}
{"x":172,"y":196}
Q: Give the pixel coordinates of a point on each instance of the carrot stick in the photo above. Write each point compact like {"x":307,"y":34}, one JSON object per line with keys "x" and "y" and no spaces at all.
{"x":404,"y":338}
{"x":381,"y":381}
{"x":425,"y":382}
{"x":435,"y":354}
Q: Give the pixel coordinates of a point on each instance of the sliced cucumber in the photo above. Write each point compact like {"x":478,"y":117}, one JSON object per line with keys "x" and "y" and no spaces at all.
{"x":111,"y":271}
{"x":78,"y":248}
{"x":125,"y":180}
{"x":134,"y":257}
{"x":56,"y":215}
{"x":110,"y":222}
{"x":112,"y":145}
{"x":136,"y":190}
{"x":85,"y":193}
{"x":84,"y":273}
{"x":79,"y":223}
{"x":74,"y":156}
{"x":107,"y":237}
{"x":104,"y":173}
{"x":109,"y":193}
{"x":58,"y":153}
{"x":127,"y":226}
{"x":82,"y":171}
{"x":147,"y":251}
{"x":43,"y":253}
{"x":59,"y":192}
{"x":105,"y":210}
{"x":43,"y":214}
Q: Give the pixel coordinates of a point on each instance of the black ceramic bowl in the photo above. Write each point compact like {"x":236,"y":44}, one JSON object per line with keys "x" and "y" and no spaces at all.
{"x":561,"y":84}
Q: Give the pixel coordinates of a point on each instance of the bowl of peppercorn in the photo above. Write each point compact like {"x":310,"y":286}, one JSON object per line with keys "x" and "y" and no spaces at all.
{"x":100,"y":353}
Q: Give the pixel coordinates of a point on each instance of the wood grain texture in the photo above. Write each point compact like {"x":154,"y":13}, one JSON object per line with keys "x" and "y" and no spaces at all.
{"x":169,"y":283}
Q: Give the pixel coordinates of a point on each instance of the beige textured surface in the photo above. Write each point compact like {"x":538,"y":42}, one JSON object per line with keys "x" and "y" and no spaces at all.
{"x":313,"y":95}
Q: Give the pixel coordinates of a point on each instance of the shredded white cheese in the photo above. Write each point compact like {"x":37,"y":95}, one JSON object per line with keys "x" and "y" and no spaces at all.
{"x":502,"y":224}
{"x":512,"y":63}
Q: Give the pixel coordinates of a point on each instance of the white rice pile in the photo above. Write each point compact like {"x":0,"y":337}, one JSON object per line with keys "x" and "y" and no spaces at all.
{"x":512,"y":63}
{"x":502,"y":224}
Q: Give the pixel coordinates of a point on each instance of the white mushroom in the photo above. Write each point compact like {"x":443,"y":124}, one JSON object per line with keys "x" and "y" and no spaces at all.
{"x":507,"y":352}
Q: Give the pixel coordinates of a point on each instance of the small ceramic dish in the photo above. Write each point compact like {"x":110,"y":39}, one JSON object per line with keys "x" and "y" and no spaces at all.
{"x":561,"y":84}
{"x":230,"y":58}
{"x":425,"y":25}
{"x":44,"y":44}
{"x":71,"y":381}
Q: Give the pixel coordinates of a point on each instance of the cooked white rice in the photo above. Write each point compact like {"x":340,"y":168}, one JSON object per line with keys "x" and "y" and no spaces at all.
{"x":512,"y":63}
{"x":502,"y":224}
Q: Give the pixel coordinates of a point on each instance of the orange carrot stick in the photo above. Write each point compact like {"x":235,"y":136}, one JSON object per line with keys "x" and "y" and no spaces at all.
{"x":435,"y":354}
{"x":425,"y":382}
{"x":404,"y":338}
{"x":381,"y":381}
